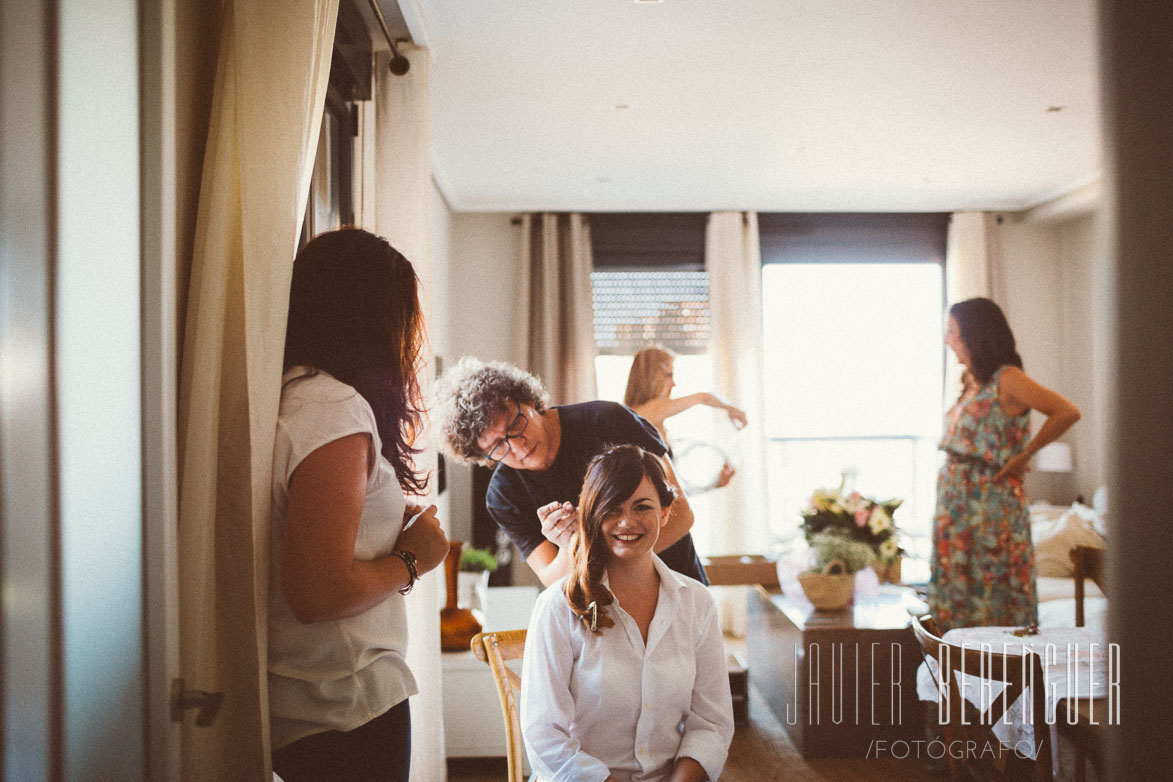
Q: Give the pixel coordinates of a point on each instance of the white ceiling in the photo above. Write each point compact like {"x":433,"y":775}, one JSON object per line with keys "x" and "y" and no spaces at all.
{"x":773,"y":105}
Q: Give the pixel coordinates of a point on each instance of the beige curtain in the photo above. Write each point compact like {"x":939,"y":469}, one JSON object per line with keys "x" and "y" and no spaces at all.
{"x":555,"y":314}
{"x":271,"y":76}
{"x":974,"y":266}
{"x":403,"y":197}
{"x":973,"y":257}
{"x":733,"y":259}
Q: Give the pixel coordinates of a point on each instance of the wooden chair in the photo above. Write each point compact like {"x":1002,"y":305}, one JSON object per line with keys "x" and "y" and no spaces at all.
{"x":496,"y":649}
{"x":1086,"y":563}
{"x":970,"y":723}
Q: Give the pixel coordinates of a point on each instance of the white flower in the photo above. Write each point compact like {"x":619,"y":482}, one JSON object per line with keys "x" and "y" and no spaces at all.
{"x":879,"y":521}
{"x":889,"y":549}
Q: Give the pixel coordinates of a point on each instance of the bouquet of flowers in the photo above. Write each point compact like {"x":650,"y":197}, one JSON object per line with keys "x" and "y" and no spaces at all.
{"x":853,"y":517}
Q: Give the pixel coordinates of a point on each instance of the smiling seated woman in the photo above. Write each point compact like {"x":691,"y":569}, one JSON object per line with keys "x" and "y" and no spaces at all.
{"x":663,"y":710}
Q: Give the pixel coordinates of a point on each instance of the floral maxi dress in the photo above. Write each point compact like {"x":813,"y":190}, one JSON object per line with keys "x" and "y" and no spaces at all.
{"x":983,"y":570}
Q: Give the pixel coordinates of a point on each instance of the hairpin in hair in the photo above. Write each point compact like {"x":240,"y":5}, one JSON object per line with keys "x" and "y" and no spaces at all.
{"x":594,"y":609}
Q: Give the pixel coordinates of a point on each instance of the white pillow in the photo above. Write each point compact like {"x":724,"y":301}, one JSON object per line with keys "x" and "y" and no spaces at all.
{"x":1053,"y":540}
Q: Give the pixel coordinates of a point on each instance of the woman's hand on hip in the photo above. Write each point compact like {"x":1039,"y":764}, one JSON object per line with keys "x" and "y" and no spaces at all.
{"x":1015,"y":469}
{"x":425,"y":538}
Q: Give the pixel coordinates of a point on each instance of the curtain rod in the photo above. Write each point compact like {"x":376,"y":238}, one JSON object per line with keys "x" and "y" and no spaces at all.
{"x":399,"y":64}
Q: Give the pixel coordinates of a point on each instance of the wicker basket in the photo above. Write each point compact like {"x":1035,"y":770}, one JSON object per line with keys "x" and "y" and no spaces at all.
{"x":831,"y":589}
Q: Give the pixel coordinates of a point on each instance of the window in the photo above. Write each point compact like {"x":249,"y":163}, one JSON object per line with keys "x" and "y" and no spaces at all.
{"x":331,"y":198}
{"x":853,"y":319}
{"x":650,"y":287}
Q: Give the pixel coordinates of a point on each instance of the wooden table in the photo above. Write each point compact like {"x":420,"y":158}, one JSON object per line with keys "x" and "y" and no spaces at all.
{"x":837,"y":681}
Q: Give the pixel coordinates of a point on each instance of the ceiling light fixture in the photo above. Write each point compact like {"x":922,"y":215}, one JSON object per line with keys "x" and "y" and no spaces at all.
{"x":399,"y":64}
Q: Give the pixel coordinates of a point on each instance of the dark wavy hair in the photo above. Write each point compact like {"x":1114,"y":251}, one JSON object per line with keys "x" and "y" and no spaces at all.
{"x":987,"y":336}
{"x":611,"y":478}
{"x":354,"y":313}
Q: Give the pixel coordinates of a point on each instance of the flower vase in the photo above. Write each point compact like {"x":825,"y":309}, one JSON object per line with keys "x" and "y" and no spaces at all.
{"x":472,"y":591}
{"x":457,"y":625}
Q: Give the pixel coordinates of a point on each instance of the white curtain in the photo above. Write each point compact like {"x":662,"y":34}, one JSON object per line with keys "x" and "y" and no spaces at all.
{"x":974,"y":266}
{"x":555,"y":315}
{"x":271,"y":76}
{"x":402,"y":214}
{"x":733,"y":259}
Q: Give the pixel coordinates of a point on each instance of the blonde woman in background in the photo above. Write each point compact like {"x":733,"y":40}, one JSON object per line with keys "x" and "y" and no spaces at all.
{"x":649,"y":393}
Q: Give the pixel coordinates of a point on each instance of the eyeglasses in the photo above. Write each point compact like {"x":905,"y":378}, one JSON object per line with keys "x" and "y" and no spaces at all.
{"x":515,"y":429}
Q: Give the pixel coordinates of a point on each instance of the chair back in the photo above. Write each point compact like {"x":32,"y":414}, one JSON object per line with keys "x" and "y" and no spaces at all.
{"x":1086,"y":562}
{"x":970,"y":722}
{"x":496,"y":649}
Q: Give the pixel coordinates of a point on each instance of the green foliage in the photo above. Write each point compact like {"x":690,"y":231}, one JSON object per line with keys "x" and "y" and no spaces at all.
{"x":830,"y":546}
{"x":477,"y":560}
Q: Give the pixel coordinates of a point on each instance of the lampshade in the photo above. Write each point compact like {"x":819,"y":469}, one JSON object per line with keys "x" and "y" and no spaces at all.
{"x":1056,"y":457}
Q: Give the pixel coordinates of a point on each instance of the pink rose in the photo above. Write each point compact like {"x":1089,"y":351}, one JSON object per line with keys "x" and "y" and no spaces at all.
{"x":861,"y":517}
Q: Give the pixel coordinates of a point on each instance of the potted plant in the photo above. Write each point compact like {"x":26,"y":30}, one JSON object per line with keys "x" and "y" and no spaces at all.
{"x":475,"y":566}
{"x":857,"y":518}
{"x":830,"y":584}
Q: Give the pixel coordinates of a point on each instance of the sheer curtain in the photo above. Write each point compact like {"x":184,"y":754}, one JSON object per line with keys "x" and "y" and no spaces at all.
{"x":554,"y":324}
{"x":402,"y":195}
{"x":271,"y":76}
{"x":733,"y":259}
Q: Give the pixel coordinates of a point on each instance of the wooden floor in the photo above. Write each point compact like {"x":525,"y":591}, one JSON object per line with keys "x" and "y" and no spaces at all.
{"x":761,"y":752}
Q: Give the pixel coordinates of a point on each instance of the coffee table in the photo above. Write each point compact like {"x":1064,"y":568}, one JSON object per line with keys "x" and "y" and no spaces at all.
{"x":842,"y":683}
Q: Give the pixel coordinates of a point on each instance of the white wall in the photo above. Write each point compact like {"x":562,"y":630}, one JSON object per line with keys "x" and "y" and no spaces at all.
{"x":484,"y":295}
{"x":480,"y":299}
{"x":1052,"y":306}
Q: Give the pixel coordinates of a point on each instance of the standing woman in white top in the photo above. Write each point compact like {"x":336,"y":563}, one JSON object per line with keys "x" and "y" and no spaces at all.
{"x":342,"y":560}
{"x":624,"y":675}
{"x":649,"y":393}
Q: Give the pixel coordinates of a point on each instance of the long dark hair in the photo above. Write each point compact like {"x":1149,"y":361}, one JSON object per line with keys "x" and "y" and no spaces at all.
{"x":987,"y":336}
{"x":611,"y":478}
{"x":354,"y":312}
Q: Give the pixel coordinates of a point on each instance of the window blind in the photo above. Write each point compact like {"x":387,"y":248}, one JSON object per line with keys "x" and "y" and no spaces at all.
{"x":638,"y":307}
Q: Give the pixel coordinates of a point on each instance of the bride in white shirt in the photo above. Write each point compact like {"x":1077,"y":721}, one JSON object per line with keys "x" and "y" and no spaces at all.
{"x":624,"y":674}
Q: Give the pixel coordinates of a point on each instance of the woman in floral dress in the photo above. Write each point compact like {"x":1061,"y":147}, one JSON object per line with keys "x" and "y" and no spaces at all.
{"x":983,"y":570}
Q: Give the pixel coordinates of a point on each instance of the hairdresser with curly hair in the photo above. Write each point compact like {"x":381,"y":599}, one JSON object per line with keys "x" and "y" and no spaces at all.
{"x":624,"y":673}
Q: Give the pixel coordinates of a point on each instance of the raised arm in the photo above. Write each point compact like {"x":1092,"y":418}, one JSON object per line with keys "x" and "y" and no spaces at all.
{"x":657,"y":410}
{"x":680,"y":520}
{"x":1018,"y":392}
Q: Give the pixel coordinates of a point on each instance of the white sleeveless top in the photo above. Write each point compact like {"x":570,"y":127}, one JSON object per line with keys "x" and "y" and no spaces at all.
{"x":338,"y":674}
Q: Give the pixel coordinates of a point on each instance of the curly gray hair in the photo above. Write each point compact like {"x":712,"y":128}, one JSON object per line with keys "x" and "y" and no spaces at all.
{"x":470,"y":394}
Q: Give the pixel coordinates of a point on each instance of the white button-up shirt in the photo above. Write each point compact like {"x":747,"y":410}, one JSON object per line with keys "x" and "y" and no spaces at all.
{"x":594,"y":705}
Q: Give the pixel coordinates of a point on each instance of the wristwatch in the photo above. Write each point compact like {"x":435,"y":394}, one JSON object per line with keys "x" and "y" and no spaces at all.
{"x":408,"y":560}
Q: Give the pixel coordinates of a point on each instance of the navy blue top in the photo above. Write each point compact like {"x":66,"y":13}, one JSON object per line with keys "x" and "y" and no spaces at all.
{"x":514,"y":496}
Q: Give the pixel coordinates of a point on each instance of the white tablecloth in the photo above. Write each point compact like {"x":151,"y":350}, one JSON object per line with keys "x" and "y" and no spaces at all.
{"x":1075,"y":664}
